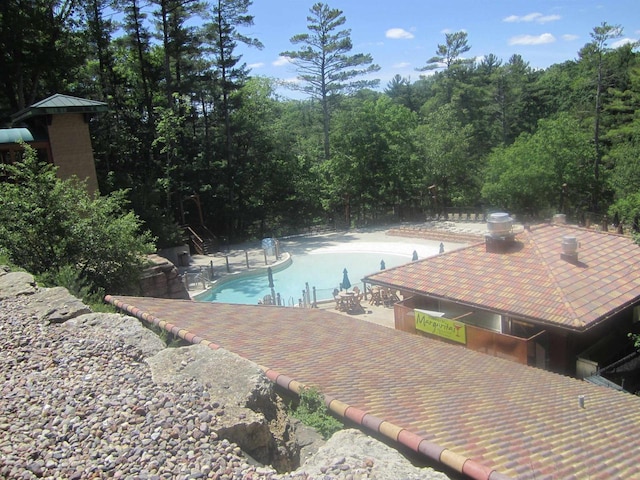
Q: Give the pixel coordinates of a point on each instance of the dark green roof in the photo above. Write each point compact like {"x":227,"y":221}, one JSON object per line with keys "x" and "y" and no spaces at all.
{"x":57,"y":104}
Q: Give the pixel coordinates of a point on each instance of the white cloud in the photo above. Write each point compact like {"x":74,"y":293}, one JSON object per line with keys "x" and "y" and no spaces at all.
{"x":256,"y":65}
{"x":281,"y":61}
{"x":291,"y":81}
{"x":398,"y":33}
{"x":569,"y":37}
{"x":531,"y":17}
{"x":623,"y":41}
{"x":532,"y":39}
{"x":401,"y":65}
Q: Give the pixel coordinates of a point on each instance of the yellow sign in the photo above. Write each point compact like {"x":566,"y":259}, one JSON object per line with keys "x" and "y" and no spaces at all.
{"x":441,"y":327}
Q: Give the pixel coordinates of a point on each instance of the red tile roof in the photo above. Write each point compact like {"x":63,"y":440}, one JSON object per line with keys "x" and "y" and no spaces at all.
{"x":531,"y":280}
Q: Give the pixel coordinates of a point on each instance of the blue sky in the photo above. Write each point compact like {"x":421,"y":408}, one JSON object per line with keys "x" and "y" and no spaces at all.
{"x":401,"y":35}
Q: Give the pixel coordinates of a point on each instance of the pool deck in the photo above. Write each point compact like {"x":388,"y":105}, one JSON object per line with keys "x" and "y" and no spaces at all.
{"x":249,"y":258}
{"x":377,"y":240}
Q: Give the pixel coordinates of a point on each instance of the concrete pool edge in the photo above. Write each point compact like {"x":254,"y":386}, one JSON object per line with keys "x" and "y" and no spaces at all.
{"x":276,"y":267}
{"x":310,"y":272}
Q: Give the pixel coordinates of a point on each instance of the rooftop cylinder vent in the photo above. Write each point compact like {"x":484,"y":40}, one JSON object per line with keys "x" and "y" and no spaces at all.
{"x":570,"y":246}
{"x":499,"y":224}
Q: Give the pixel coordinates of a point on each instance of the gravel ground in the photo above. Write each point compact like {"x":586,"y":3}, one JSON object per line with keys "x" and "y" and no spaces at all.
{"x":87,"y":408}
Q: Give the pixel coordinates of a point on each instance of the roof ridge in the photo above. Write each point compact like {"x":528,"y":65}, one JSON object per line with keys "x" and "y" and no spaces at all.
{"x":575,"y":321}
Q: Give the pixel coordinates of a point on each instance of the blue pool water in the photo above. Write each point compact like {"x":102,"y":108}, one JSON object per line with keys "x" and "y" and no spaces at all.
{"x":322,"y":270}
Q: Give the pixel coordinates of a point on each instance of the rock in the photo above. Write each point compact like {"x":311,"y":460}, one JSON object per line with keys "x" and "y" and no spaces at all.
{"x":123,"y":328}
{"x":351,"y":452}
{"x":308,"y":439}
{"x":78,"y":403}
{"x":14,"y":284}
{"x":55,"y":305}
{"x":162,"y":280}
{"x":252,"y":412}
{"x":223,"y":374}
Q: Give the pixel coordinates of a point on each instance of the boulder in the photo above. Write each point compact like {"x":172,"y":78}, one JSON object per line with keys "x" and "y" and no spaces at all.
{"x":123,"y":328}
{"x":161,"y":279}
{"x":55,"y":305}
{"x":365,"y":457}
{"x":14,"y":284}
{"x":250,"y":413}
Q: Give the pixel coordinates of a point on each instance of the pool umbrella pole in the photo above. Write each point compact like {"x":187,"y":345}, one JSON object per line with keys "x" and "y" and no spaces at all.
{"x":273,"y":292}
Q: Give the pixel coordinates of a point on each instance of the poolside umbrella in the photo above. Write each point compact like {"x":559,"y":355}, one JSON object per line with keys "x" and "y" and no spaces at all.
{"x":382,"y":265}
{"x":270,"y":275}
{"x":415,"y":256}
{"x":346,"y":284}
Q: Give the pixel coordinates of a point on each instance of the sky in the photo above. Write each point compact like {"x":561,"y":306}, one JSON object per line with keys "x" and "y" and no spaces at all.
{"x":401,"y":35}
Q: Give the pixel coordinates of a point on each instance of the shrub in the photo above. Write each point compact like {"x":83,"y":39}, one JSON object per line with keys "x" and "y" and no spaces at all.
{"x":313,"y":412}
{"x":48,"y":225}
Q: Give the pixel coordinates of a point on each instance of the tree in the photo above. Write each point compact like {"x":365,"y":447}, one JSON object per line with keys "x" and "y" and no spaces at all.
{"x":39,"y":49}
{"x":443,"y":144}
{"x":372,"y":148}
{"x":595,"y":52}
{"x":222,"y":36}
{"x":449,"y":54}
{"x":323,"y":63}
{"x":48,"y":225}
{"x":400,"y":90}
{"x":449,"y":57}
{"x":548,"y":171}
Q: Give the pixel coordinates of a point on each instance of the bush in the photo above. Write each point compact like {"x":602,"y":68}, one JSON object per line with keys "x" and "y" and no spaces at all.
{"x":313,"y":412}
{"x":48,"y":226}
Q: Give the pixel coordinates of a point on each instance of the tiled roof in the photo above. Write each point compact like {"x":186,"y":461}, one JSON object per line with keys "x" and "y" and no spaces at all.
{"x":531,"y":280}
{"x":465,"y":409}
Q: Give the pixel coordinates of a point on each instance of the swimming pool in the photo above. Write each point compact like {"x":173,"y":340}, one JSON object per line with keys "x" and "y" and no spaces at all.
{"x":320,"y":270}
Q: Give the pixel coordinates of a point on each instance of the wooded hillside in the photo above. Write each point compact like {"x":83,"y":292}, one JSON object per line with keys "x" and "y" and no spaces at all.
{"x":194,"y":135}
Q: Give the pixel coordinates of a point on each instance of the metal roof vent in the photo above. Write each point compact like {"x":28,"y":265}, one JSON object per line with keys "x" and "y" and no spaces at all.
{"x":570,"y":247}
{"x":500,"y":235}
{"x":499,"y":224}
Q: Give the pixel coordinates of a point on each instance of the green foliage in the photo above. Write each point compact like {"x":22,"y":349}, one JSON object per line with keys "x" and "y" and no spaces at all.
{"x":69,"y":277}
{"x":528,"y":176}
{"x":372,"y":139}
{"x":449,"y":53}
{"x":444,"y":144}
{"x":627,"y":208}
{"x":313,"y":412}
{"x":255,"y":160}
{"x":49,"y":226}
{"x":324,"y":64}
